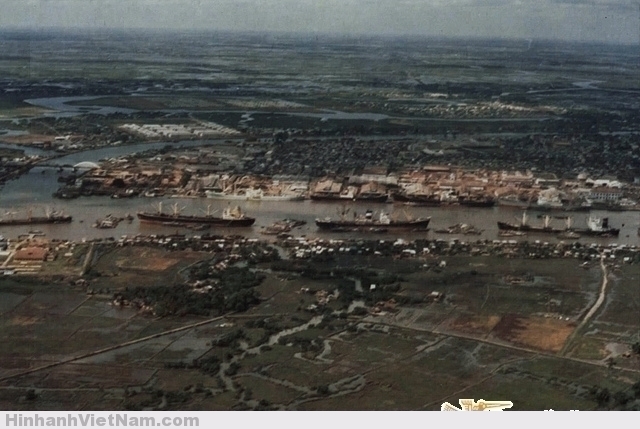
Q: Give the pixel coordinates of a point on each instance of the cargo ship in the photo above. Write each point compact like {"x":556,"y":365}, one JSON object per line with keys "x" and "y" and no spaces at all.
{"x":417,"y":199}
{"x":349,"y":194}
{"x":477,"y":201}
{"x":514,"y":201}
{"x":372,"y":193}
{"x":252,"y":194}
{"x":595,"y":227}
{"x":49,"y":218}
{"x":231,"y":217}
{"x":368,"y":221}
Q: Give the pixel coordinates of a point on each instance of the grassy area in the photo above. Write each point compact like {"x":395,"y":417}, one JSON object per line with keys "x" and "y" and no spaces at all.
{"x":388,"y":362}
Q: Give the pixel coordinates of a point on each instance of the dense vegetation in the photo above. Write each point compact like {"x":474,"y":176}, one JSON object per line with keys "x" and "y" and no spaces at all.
{"x":231,"y":290}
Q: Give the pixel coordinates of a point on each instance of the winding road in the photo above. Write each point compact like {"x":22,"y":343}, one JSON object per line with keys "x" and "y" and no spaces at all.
{"x":593,"y":310}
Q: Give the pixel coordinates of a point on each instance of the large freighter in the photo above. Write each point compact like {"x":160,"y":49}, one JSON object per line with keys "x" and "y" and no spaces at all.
{"x":367,"y":221}
{"x":595,"y":227}
{"x":231,"y":217}
{"x":51,"y":217}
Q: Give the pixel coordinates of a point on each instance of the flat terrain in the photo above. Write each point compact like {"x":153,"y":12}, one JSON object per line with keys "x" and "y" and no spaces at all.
{"x":413,"y":356}
{"x":155,"y":325}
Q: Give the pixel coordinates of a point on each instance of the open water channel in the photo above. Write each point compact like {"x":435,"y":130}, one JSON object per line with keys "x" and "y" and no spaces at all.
{"x":34,"y":191}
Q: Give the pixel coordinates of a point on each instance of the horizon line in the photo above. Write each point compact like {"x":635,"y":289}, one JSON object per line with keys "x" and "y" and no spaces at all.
{"x":292,"y":33}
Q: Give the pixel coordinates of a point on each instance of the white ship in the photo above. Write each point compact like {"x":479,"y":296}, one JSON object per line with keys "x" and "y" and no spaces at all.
{"x":550,"y":198}
{"x":252,"y":194}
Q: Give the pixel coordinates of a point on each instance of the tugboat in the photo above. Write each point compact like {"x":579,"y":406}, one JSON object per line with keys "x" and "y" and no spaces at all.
{"x":282,"y":226}
{"x":461,"y":228}
{"x":231,"y":217}
{"x":569,"y":235}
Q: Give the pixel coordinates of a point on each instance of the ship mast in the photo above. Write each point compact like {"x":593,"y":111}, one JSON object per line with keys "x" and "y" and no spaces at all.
{"x":407,"y":215}
{"x":342,"y":213}
{"x":176,"y":210}
{"x":569,"y":222}
{"x":209,"y":213}
{"x":10,"y":214}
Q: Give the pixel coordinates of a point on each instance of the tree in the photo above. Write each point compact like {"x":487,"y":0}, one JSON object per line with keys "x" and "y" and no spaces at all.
{"x":323,"y":390}
{"x":610,"y":362}
{"x":603,"y":396}
{"x":31,"y":395}
{"x":621,"y":398}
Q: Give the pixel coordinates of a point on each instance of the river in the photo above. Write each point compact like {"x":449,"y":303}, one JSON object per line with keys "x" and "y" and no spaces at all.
{"x":34,"y":191}
{"x":59,"y":107}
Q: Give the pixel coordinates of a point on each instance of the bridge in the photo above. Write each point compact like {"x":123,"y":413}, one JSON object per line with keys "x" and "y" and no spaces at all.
{"x":85,"y":165}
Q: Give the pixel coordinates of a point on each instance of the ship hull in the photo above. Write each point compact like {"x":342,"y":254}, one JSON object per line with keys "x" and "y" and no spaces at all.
{"x":471,"y":203}
{"x":504,"y":226}
{"x":336,"y":224}
{"x":36,"y":221}
{"x":417,"y":200}
{"x":372,"y":198}
{"x":232,"y":197}
{"x":315,"y":197}
{"x":221,"y":196}
{"x":203,"y":220}
{"x":612,"y":232}
{"x":514,"y":203}
{"x":567,"y":208}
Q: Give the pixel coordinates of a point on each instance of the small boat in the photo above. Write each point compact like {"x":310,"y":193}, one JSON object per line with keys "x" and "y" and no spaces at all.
{"x":460,"y":228}
{"x":568,"y":235}
{"x":371,"y":230}
{"x":172,"y":224}
{"x":511,"y":234}
{"x":282,"y":226}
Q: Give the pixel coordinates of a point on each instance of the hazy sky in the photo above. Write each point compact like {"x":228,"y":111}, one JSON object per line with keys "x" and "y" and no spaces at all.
{"x":588,"y":20}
